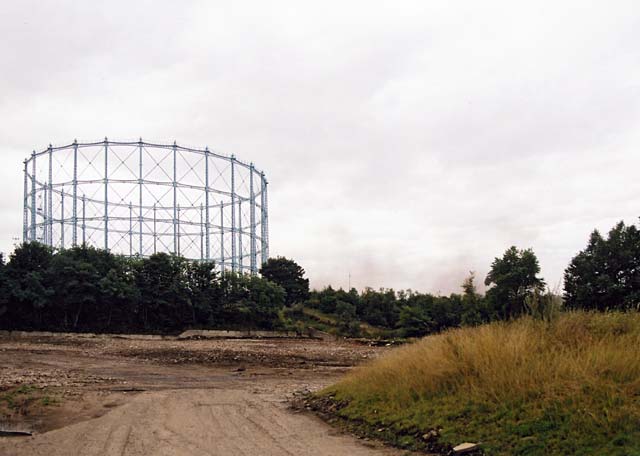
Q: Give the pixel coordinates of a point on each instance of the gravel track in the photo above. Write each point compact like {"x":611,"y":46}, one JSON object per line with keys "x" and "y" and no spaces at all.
{"x":177,"y":398}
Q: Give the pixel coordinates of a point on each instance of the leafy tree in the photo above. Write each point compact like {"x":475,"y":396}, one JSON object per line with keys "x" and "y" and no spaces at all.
{"x":265,"y":299}
{"x":423,"y":313}
{"x":347,"y":322}
{"x":414,"y":321}
{"x":30,"y":288}
{"x":251,"y":301}
{"x":289,"y":275}
{"x":327,"y":300}
{"x":474,"y":311}
{"x":164,"y":298}
{"x":379,"y":308}
{"x":205,"y":292}
{"x":513,"y":277}
{"x":75,"y":281}
{"x":30,"y":256}
{"x":606,"y":274}
{"x":446,"y":311}
{"x":119,"y":296}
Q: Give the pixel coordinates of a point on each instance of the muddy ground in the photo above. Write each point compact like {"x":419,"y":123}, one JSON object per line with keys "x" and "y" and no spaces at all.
{"x":113,"y":396}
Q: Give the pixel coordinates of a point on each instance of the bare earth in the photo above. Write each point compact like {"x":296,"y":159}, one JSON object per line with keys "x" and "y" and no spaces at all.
{"x":111,"y":396}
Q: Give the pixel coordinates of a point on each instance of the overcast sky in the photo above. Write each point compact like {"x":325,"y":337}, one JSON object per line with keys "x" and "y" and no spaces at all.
{"x":406,"y":142}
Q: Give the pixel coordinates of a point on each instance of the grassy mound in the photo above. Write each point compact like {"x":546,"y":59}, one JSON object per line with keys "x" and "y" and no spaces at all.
{"x":520,"y":388}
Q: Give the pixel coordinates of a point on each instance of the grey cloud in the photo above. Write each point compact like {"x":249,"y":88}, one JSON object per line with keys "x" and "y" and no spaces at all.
{"x":406,"y":143}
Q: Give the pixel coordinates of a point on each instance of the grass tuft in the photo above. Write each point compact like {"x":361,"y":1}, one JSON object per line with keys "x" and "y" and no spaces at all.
{"x":526,"y":387}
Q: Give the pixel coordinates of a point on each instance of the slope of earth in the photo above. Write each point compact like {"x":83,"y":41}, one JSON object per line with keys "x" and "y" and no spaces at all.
{"x":569,"y":386}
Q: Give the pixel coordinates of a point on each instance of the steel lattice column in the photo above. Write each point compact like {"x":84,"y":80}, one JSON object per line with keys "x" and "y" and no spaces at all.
{"x":130,"y":229}
{"x":33,"y":196}
{"x":50,"y":204}
{"x":106,"y":194}
{"x":233,"y":214}
{"x":252,"y":221}
{"x":175,"y":201}
{"x":222,"y":237}
{"x":264,"y":221}
{"x":25,"y":213}
{"x":62,"y":219}
{"x":44,"y":215}
{"x":240,"y":254}
{"x":84,"y":220}
{"x":206,"y":202}
{"x":74,"y":203}
{"x":155,"y":229}
{"x":140,"y":215}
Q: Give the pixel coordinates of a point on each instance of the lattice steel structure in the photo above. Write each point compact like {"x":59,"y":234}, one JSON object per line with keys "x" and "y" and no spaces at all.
{"x":139,"y":198}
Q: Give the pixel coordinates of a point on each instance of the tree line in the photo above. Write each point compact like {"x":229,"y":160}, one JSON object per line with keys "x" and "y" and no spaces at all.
{"x":92,"y":290}
{"x":604,"y":276}
{"x":88,"y":289}
{"x":513,"y":280}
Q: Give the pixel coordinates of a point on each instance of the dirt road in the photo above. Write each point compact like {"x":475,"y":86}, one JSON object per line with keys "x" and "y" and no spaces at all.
{"x":124,"y":397}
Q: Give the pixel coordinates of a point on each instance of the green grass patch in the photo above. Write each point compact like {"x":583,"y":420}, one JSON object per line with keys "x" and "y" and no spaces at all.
{"x":13,"y":398}
{"x":520,"y":388}
{"x":26,"y":400}
{"x":47,"y":401}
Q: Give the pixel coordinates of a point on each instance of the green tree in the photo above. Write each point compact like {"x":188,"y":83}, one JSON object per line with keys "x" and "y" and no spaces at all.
{"x":251,"y":301}
{"x":473,"y":305}
{"x":290,"y":276}
{"x":30,"y":288}
{"x":512,"y":279}
{"x":379,"y":308}
{"x":423,"y":313}
{"x":89,"y":289}
{"x":606,"y":274}
{"x":326,"y":300}
{"x":164,"y":299}
{"x":119,"y":296}
{"x":76,"y":284}
{"x":205,"y":293}
{"x":414,"y":321}
{"x":88,"y":284}
{"x":347,"y":322}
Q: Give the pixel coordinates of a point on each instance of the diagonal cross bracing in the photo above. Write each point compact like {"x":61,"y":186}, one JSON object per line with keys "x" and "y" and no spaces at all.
{"x":133,"y":197}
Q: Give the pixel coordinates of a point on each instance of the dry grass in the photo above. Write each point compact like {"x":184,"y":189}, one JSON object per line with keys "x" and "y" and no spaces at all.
{"x":523,"y":387}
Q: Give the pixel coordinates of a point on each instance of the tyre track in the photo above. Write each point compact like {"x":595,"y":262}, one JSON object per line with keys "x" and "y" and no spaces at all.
{"x":177,"y":422}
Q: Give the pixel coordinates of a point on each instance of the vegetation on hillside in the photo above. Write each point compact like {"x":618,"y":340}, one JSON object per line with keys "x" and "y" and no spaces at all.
{"x":520,"y":387}
{"x":604,"y":276}
{"x":513,"y":278}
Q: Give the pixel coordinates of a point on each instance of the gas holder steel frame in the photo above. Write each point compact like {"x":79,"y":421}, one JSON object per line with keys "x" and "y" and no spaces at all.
{"x":140,"y":198}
